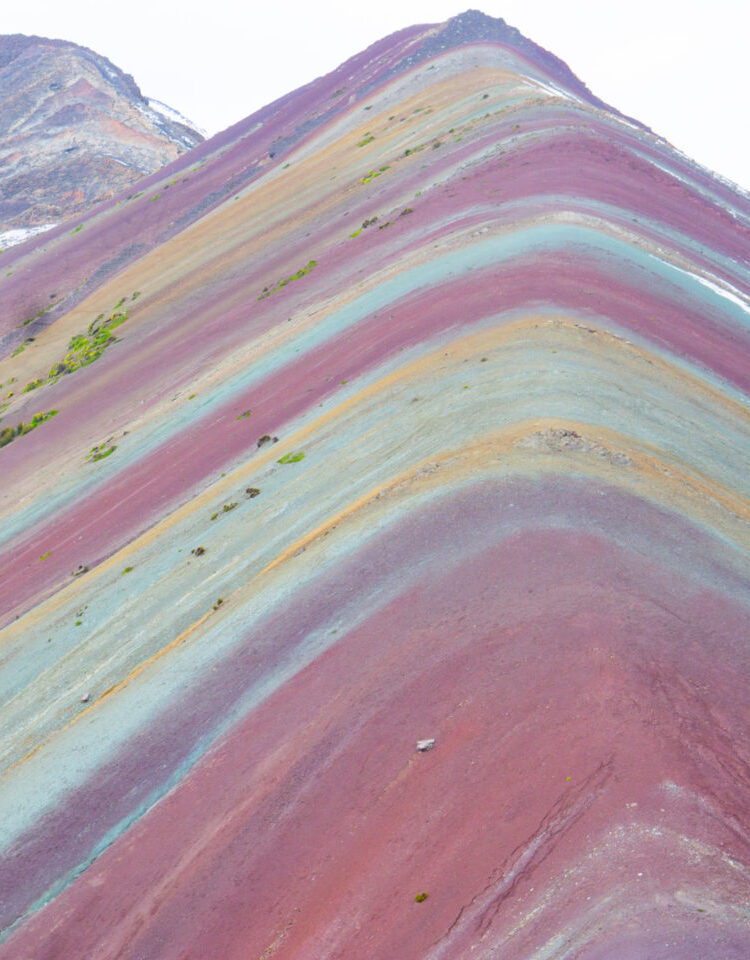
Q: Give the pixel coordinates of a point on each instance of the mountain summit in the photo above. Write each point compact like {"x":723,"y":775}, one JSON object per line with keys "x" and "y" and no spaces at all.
{"x":375,"y":535}
{"x":74,"y":129}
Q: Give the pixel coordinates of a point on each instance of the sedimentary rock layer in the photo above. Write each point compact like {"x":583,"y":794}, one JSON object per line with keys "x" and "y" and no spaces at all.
{"x":412,"y":407}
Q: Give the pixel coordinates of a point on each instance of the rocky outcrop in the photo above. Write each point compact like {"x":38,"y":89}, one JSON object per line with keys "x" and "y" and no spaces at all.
{"x":74,"y":129}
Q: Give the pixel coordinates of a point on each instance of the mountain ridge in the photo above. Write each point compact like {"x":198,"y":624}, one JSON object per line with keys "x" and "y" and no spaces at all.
{"x":328,"y":93}
{"x":412,"y":408}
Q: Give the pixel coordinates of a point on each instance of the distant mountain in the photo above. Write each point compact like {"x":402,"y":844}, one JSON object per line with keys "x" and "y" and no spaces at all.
{"x":74,"y":129}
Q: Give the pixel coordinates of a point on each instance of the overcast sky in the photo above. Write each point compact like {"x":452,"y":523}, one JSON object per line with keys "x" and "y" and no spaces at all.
{"x":679,"y":67}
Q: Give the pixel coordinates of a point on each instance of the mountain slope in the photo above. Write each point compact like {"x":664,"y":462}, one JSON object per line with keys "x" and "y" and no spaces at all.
{"x":73,"y":129}
{"x":413,"y":406}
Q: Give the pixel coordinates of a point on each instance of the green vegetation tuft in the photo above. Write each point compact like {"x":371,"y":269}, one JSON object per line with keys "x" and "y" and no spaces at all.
{"x":292,"y":457}
{"x":267,"y":291}
{"x":226,"y":508}
{"x":84,"y":349}
{"x":100,"y":453}
{"x":371,"y":174}
{"x":8,"y":434}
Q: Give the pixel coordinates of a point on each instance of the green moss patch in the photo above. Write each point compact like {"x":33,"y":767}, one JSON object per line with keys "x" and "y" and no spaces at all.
{"x":292,"y":457}
{"x":303,"y":271}
{"x":84,"y":348}
{"x":8,"y":434}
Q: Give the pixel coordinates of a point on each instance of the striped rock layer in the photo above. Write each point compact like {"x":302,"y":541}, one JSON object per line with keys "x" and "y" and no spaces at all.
{"x":423,"y":414}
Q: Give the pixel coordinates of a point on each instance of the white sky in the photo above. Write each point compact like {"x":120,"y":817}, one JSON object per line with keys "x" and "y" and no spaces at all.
{"x":678,"y":66}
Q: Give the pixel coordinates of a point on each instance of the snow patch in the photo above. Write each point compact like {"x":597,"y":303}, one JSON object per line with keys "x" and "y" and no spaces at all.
{"x":720,"y":287}
{"x":174,"y":115}
{"x":553,"y":88}
{"x":12,"y":238}
{"x":628,"y":123}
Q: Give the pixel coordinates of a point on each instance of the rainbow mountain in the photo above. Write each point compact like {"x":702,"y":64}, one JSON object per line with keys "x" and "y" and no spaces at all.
{"x":375,"y":535}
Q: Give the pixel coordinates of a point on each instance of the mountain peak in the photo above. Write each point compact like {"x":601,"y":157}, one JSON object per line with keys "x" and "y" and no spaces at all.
{"x":474,"y":26}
